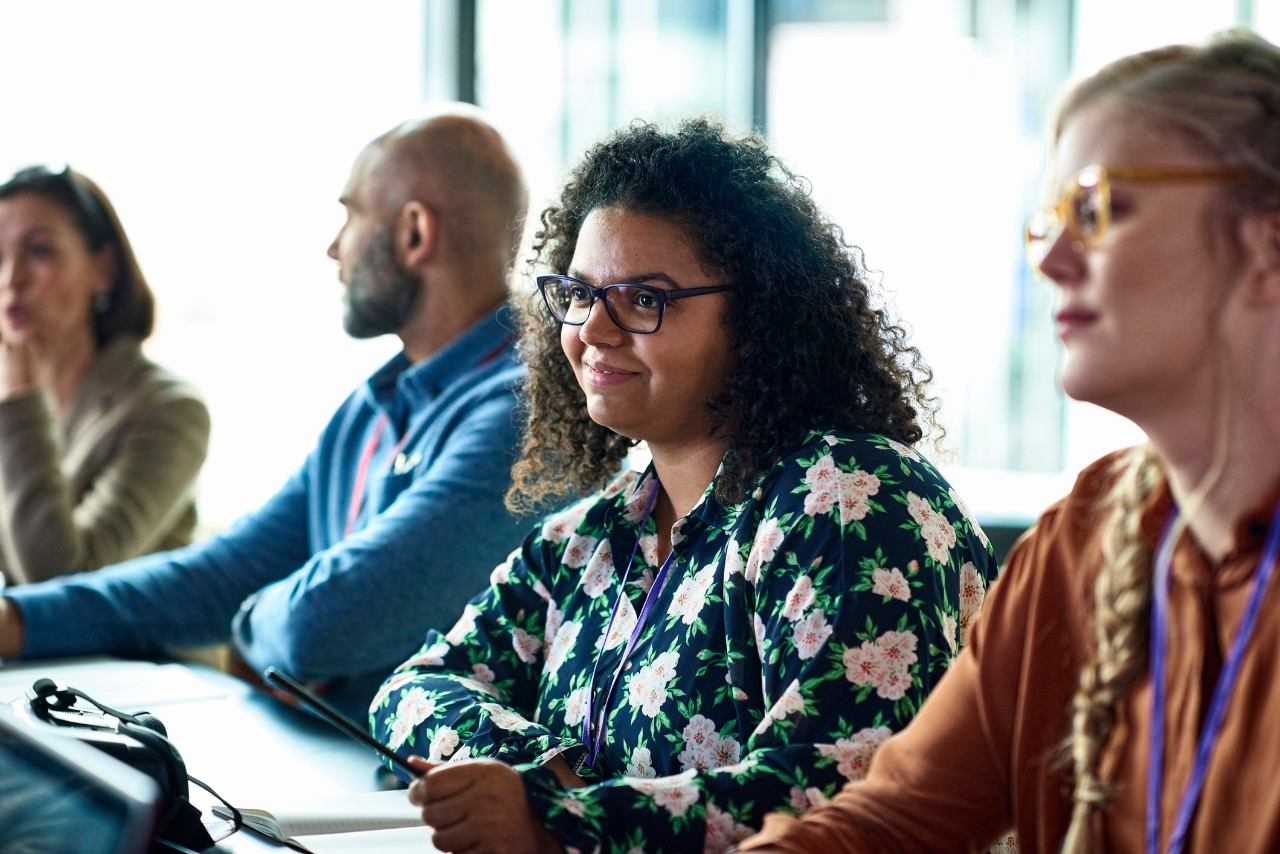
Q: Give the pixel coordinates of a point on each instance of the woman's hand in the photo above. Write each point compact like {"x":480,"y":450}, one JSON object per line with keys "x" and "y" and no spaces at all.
{"x":478,"y":806}
{"x":19,"y":369}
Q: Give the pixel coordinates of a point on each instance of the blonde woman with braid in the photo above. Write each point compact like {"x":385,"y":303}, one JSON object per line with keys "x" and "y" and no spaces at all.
{"x":1120,"y":691}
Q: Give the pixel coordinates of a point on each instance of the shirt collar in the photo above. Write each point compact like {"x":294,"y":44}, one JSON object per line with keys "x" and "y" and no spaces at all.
{"x":489,"y":338}
{"x":1250,"y":531}
{"x":632,"y":500}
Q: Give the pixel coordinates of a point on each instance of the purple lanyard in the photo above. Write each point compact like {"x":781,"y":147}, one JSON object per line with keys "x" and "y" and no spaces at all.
{"x":593,"y":745}
{"x":1221,"y":691}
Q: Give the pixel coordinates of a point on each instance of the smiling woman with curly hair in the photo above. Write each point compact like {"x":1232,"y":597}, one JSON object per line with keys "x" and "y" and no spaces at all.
{"x":801,"y":315}
{"x":736,"y":628}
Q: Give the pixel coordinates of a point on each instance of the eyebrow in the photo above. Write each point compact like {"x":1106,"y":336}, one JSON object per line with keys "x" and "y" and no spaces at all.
{"x":637,"y":279}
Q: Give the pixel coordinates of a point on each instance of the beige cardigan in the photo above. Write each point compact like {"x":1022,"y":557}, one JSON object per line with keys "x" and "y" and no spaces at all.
{"x":111,"y":480}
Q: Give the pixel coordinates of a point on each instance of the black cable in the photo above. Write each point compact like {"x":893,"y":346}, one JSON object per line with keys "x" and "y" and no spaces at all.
{"x":236,"y":818}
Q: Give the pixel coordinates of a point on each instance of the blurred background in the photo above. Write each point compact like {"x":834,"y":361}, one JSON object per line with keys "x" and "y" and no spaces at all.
{"x":223,"y":132}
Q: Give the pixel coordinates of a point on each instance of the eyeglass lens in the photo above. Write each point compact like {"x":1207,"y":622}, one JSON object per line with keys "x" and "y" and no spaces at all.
{"x":633,"y":307}
{"x":1079,"y":211}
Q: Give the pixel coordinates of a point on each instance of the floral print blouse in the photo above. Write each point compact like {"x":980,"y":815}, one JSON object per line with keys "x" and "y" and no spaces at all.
{"x":793,"y":633}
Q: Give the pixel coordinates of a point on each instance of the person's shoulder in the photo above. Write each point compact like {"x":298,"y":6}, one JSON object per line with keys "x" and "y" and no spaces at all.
{"x":1088,"y":495}
{"x":851,"y":450}
{"x":124,"y":367}
{"x":620,"y":495}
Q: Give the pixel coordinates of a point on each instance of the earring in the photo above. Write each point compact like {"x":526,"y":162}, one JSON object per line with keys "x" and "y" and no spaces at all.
{"x":101,"y":302}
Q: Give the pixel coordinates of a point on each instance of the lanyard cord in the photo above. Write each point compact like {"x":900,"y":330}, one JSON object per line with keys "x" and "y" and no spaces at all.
{"x":593,"y":745}
{"x":1212,"y":726}
{"x":371,"y":447}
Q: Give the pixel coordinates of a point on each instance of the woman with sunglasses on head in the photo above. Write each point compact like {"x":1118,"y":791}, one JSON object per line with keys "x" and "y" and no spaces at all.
{"x":735,"y":628}
{"x":99,"y":447}
{"x":1120,"y":690}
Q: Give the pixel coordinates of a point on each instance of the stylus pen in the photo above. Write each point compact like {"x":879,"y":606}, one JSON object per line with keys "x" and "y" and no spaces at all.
{"x":295,"y":689}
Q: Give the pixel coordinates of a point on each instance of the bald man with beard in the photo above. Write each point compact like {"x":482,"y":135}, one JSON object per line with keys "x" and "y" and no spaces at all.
{"x":396,"y":518}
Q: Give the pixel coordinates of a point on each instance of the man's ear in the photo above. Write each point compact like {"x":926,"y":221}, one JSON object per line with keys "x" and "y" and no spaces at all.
{"x":1260,"y":240}
{"x":415,"y":233}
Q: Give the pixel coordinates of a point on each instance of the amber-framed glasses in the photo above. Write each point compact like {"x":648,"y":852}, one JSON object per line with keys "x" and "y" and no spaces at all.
{"x":1084,"y":208}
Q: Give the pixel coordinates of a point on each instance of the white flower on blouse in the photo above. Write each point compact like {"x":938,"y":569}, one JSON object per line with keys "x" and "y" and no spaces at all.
{"x":860,"y":481}
{"x":854,"y":507}
{"x":969,"y":517}
{"x":504,"y":718}
{"x":466,"y":625}
{"x":971,"y":595}
{"x":482,"y":673}
{"x":619,"y":483}
{"x":909,"y":453}
{"x":676,"y":793}
{"x":572,"y":805}
{"x":699,"y":737}
{"x":894,"y":685}
{"x":432,"y":656}
{"x":676,"y":799}
{"x":560,"y":525}
{"x":502,"y":572}
{"x":664,"y":665}
{"x":575,"y":706}
{"x":737,"y":769}
{"x":641,"y":764}
{"x":563,"y":642}
{"x":398,"y":680}
{"x":443,"y":744}
{"x":757,"y":624}
{"x":526,"y":645}
{"x":791,"y":702}
{"x":768,"y":537}
{"x":722,"y":831}
{"x":803,"y":800}
{"x":864,"y":665}
{"x":415,"y":707}
{"x":724,"y":751}
{"x":691,"y":595}
{"x":732,"y":559}
{"x":638,"y":502}
{"x":649,"y":553}
{"x":853,"y":755}
{"x":551,"y":626}
{"x":822,"y":476}
{"x":939,"y":537}
{"x":401,"y":729}
{"x":579,"y":550}
{"x":623,"y":622}
{"x":919,"y":508}
{"x":799,"y":599}
{"x":647,"y":689}
{"x":899,"y":649}
{"x":818,"y":503}
{"x":810,"y":634}
{"x":478,"y":686}
{"x":948,"y":628}
{"x":599,"y":572}
{"x":891,"y":583}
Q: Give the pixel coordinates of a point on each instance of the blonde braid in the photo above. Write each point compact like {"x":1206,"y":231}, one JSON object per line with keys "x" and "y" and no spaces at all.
{"x":1121,"y":611}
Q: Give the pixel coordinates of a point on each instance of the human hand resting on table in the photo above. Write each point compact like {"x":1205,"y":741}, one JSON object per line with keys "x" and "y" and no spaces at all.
{"x":479,"y":806}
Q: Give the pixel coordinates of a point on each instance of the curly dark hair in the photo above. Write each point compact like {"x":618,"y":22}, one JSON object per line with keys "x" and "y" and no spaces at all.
{"x":812,"y":351}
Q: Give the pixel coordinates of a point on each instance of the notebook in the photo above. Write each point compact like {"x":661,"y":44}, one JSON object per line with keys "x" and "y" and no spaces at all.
{"x":57,"y":794}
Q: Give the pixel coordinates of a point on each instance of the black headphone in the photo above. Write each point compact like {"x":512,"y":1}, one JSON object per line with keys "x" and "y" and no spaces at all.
{"x":55,"y":703}
{"x":139,"y":740}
